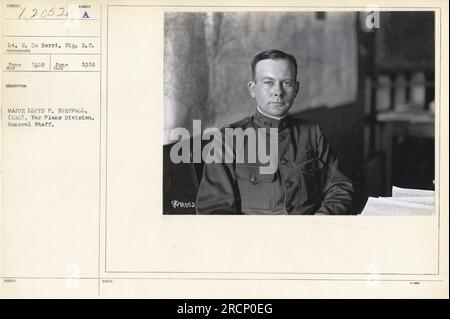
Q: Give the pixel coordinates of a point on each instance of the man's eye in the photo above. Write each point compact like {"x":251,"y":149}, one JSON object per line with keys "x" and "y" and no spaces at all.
{"x":288,"y":84}
{"x":270,"y":83}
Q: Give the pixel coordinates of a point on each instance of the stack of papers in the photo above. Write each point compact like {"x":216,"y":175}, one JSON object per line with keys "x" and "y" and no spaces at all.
{"x":404,"y":202}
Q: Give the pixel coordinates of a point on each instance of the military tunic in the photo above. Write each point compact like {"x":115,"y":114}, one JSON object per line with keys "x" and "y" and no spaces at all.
{"x":307,"y":180}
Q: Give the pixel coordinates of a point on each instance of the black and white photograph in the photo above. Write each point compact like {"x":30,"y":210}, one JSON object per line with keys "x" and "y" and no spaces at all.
{"x":299,"y":113}
{"x":224,"y":150}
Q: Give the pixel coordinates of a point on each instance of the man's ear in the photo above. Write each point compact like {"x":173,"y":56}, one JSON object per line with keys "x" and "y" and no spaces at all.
{"x":297,"y":87}
{"x":251,"y":88}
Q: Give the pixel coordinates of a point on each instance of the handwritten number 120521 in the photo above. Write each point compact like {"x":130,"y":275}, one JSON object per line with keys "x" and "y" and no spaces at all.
{"x":27,"y":13}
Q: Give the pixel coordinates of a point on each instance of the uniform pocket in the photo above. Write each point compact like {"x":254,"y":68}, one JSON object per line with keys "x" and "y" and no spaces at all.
{"x":257,"y":191}
{"x":309,"y":179}
{"x":309,"y":166}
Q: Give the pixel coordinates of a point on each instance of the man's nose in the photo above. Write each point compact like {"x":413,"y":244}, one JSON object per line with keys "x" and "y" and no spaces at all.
{"x":277,"y":89}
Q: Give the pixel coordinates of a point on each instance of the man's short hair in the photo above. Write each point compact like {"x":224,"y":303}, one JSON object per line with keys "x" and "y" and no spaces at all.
{"x":273,"y":54}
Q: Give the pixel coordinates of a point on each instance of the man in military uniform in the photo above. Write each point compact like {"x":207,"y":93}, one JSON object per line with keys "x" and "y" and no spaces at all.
{"x":307,"y":180}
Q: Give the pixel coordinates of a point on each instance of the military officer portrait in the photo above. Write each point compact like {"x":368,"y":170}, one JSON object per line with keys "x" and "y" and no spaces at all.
{"x":307,"y":179}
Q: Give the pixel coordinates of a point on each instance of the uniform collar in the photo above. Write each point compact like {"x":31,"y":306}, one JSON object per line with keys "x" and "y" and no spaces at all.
{"x":268,"y":122}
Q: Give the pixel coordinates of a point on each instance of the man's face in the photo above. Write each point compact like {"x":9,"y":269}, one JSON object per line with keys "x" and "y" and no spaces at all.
{"x":274,"y":86}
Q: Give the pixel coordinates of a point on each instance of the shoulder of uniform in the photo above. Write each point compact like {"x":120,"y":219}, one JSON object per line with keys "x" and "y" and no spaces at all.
{"x":299,"y":121}
{"x":240,"y":123}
